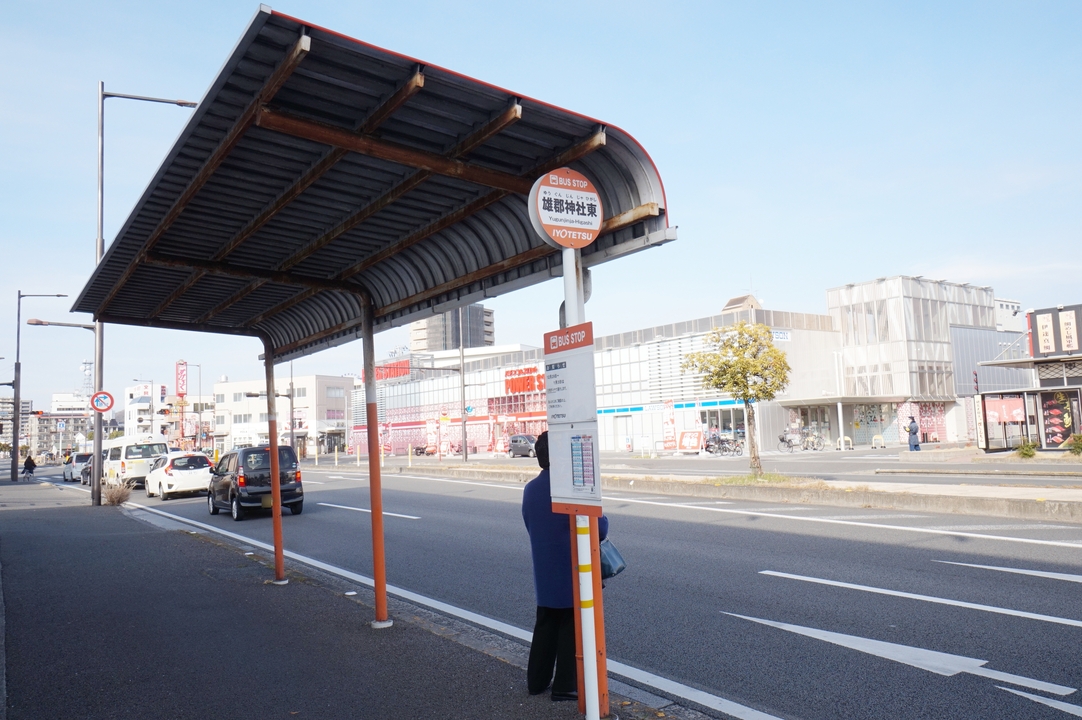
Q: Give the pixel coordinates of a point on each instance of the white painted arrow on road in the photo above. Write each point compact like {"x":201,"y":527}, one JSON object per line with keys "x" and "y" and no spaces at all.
{"x":930,"y":660}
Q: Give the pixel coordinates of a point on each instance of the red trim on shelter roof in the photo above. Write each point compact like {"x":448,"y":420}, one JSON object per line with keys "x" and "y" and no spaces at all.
{"x":626,"y":134}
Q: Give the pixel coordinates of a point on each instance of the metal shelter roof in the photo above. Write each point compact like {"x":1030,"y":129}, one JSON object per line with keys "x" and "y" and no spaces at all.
{"x":321,"y":175}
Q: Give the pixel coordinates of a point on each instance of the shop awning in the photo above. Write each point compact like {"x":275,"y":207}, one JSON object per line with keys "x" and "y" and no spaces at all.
{"x":321,"y":176}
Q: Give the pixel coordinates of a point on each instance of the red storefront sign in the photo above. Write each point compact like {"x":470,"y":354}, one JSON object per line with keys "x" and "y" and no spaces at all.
{"x":523,"y":380}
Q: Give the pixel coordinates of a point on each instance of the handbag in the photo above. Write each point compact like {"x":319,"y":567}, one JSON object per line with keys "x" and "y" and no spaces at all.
{"x":612,"y":562}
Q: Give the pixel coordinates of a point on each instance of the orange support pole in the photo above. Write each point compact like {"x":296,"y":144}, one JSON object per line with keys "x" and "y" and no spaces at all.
{"x":375,"y":489}
{"x":275,"y":469}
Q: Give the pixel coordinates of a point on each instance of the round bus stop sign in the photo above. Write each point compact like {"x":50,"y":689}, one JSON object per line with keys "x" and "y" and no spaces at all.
{"x":102,"y":401}
{"x":565,"y":209}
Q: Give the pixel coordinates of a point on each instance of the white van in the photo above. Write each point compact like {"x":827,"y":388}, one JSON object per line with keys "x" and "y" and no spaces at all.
{"x":128,"y":458}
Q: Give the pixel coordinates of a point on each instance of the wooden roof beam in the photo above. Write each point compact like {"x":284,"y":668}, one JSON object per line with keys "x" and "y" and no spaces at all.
{"x":377,"y":117}
{"x":576,"y":151}
{"x":215,"y":267}
{"x":616,"y":222}
{"x":391,"y":152}
{"x":247,"y":118}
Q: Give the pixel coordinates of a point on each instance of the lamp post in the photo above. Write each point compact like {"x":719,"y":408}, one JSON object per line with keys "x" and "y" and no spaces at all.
{"x":95,"y":486}
{"x":99,"y":251}
{"x":289,"y":396}
{"x":16,"y":384}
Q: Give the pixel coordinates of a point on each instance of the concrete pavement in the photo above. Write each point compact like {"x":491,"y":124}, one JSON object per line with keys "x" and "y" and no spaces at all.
{"x":106,"y":616}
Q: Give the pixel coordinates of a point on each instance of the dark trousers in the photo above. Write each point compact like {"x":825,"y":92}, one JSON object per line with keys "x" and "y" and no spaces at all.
{"x":553,"y":646}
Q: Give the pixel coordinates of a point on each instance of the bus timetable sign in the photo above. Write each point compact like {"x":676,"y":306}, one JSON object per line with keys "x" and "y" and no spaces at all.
{"x":565,"y":209}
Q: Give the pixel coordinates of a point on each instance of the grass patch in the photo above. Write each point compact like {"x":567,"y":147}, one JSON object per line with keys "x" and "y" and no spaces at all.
{"x":776,"y":479}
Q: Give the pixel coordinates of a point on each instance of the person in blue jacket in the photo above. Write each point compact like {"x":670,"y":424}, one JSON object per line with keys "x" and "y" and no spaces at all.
{"x":553,"y":644}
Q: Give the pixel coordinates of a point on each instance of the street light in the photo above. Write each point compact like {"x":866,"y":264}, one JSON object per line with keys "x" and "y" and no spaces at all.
{"x":49,"y":323}
{"x":16,"y":384}
{"x":289,"y":395}
{"x":99,"y":251}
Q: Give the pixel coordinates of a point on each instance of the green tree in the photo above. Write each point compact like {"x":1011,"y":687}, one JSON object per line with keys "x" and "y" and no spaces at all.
{"x":115,"y":434}
{"x":741,"y":360}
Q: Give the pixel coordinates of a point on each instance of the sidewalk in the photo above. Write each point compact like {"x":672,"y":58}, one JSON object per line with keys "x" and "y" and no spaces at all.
{"x":106,"y":616}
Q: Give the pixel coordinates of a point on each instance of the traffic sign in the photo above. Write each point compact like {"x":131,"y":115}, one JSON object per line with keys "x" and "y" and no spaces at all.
{"x":565,"y":209}
{"x":61,"y":425}
{"x":102,"y":401}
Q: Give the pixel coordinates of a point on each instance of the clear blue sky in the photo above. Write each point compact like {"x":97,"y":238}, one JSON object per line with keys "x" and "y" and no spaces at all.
{"x":803,"y":146}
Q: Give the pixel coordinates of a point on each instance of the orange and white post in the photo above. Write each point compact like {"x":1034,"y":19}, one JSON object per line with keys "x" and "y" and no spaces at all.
{"x":586,"y":618}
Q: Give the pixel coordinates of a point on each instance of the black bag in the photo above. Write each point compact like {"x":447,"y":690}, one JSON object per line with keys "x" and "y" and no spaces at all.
{"x":612,"y":562}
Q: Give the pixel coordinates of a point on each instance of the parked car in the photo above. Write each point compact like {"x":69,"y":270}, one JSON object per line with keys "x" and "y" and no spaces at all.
{"x":242,"y":481}
{"x":178,"y":472}
{"x":74,"y":469}
{"x":521,"y":446}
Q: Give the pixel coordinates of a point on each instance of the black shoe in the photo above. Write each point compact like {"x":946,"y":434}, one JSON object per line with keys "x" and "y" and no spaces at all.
{"x":538,"y":692}
{"x":565,"y":697}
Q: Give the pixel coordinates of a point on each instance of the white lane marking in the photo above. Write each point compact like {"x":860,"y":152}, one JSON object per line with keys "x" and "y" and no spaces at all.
{"x":1057,"y":704}
{"x":313,"y":482}
{"x":879,"y":516}
{"x":939,"y":663}
{"x":357,"y":509}
{"x":617,"y":668}
{"x":1004,"y":527}
{"x":504,"y":486}
{"x":1019,"y":571}
{"x":878,"y":526}
{"x":929,"y":598}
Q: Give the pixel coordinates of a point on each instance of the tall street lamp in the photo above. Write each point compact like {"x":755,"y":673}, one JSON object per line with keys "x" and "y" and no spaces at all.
{"x":16,"y":382}
{"x":99,"y":251}
{"x":95,"y":485}
{"x":289,"y":396}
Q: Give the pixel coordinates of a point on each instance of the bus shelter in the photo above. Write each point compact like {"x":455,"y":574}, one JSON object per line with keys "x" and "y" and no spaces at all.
{"x":326,"y":189}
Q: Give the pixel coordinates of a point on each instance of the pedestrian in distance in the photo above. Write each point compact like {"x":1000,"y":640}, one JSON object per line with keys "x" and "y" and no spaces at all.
{"x":553,"y":644}
{"x":28,"y":466}
{"x":914,"y":435}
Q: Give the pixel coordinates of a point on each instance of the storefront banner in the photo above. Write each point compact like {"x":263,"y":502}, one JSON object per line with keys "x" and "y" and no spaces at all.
{"x":1005,"y":410}
{"x":668,"y":425}
{"x":978,"y":418}
{"x":1058,"y":410}
{"x":1068,"y":331}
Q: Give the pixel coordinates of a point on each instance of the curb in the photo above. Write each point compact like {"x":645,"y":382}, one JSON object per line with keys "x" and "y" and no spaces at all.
{"x":1039,"y":509}
{"x":1027,"y":473}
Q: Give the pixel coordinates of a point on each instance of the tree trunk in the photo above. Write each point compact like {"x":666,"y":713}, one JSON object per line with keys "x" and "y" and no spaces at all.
{"x":753,"y":447}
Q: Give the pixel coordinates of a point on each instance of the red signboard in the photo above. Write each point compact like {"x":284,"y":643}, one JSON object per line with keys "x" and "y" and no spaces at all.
{"x":387,"y":371}
{"x":523,"y":380}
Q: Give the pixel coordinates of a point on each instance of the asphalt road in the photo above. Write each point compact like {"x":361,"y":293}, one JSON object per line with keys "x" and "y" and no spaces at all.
{"x":796,"y":612}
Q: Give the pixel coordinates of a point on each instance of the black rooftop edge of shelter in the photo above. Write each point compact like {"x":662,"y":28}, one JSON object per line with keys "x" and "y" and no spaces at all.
{"x":321,"y":177}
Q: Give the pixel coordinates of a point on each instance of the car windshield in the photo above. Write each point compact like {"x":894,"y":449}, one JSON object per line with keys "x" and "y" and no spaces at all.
{"x":82,"y":457}
{"x":531,"y":438}
{"x":191,"y":462}
{"x":150,"y":450}
{"x":260,"y":459}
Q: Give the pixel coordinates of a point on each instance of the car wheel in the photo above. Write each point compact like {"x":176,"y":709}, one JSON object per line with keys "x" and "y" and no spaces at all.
{"x":211,"y":507}
{"x":146,"y":487}
{"x":297,"y":508}
{"x":532,"y":453}
{"x":162,"y":493}
{"x":236,"y":510}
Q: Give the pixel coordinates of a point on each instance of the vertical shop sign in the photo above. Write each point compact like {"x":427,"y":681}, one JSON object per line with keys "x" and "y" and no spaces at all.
{"x":182,"y":378}
{"x":571,"y":400}
{"x":1046,"y":340}
{"x":668,"y":426}
{"x":1059,"y":416}
{"x":978,"y":416}
{"x":1068,"y":331}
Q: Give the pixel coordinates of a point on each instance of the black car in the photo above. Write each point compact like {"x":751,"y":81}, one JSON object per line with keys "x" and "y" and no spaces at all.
{"x":521,"y":445}
{"x":241,"y":481}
